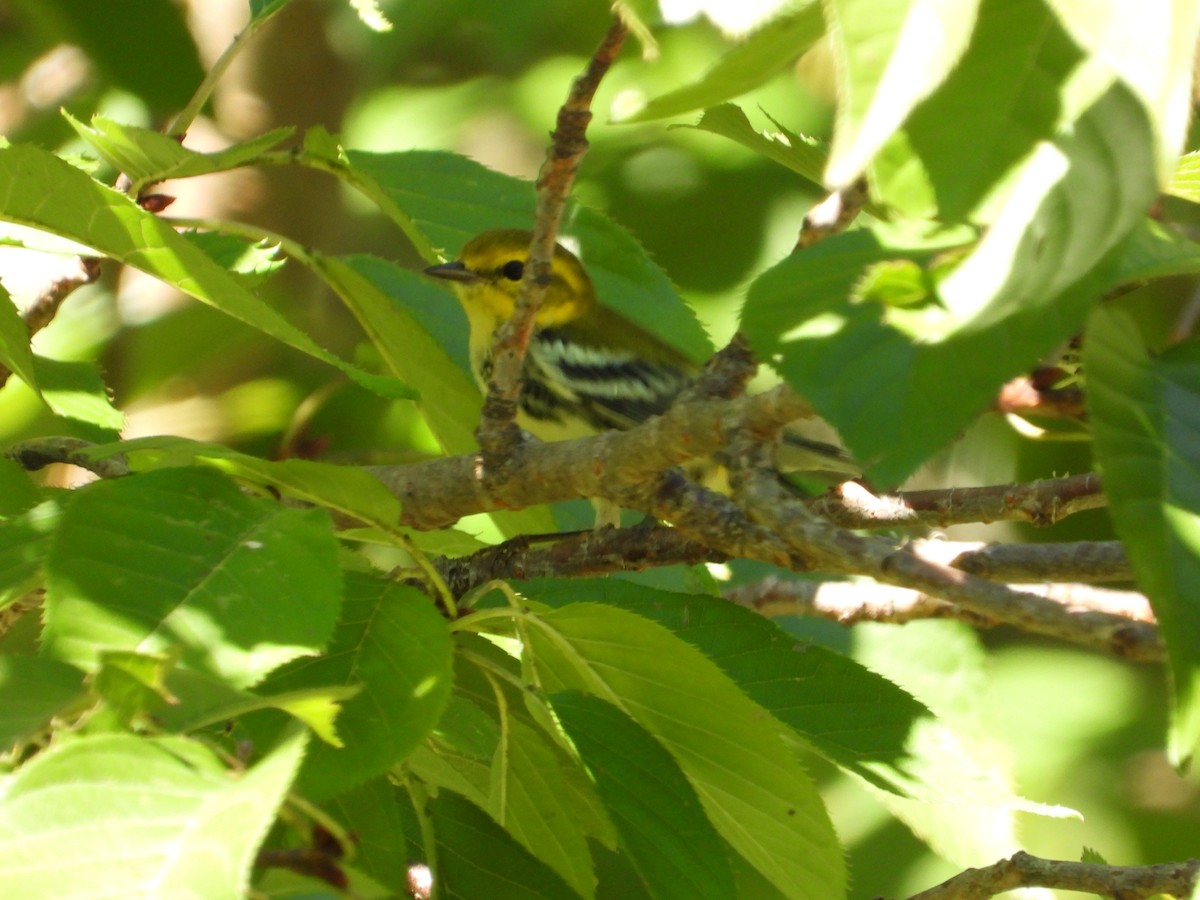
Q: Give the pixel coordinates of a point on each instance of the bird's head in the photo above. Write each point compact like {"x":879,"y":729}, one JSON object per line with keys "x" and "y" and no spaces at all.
{"x":487,"y":277}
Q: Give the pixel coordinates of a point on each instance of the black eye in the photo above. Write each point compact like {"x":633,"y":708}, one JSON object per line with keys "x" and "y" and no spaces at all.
{"x":513,"y":270}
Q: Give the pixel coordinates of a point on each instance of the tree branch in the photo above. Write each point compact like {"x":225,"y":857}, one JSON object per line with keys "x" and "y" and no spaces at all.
{"x":1093,"y":617}
{"x":498,"y":434}
{"x":1177,"y":879}
{"x":42,"y":311}
{"x":1041,"y":503}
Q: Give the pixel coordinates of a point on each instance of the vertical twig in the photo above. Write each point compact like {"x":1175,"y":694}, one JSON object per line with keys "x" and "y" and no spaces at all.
{"x":498,"y":434}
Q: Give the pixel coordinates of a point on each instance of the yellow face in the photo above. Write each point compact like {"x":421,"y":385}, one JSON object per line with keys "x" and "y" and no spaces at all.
{"x":487,"y":277}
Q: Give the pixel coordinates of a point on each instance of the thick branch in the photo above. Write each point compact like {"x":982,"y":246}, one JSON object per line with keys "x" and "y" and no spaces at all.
{"x":1176,"y":879}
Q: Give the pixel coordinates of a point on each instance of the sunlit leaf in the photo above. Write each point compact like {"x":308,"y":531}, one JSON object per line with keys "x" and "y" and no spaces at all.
{"x":891,"y":54}
{"x":1153,"y":54}
{"x":747,"y":65}
{"x":182,"y":558}
{"x":392,"y":642}
{"x":148,"y":156}
{"x":39,"y":190}
{"x":911,"y":379}
{"x":143,"y":817}
{"x":15,"y":352}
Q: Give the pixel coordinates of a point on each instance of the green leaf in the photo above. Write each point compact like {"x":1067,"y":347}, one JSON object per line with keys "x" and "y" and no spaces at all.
{"x":261,"y":9}
{"x":1003,"y":97}
{"x":193,"y":701}
{"x":1026,"y":287}
{"x":1144,"y":414}
{"x":529,"y":798}
{"x":182,"y":558}
{"x":371,"y":813}
{"x":1185,"y":182}
{"x":879,"y":402}
{"x":143,"y":817}
{"x":32,"y":691}
{"x":1153,"y":55}
{"x":441,"y":200}
{"x":1092,"y":856}
{"x":376,"y":292}
{"x":77,"y":391}
{"x":1152,"y":251}
{"x":24,"y":541}
{"x":803,"y":155}
{"x":18,"y":493}
{"x":15,"y":352}
{"x":762,"y":56}
{"x":752,"y":789}
{"x":477,"y":858}
{"x":857,"y":719}
{"x":345,"y":489}
{"x":149,"y":156}
{"x":133,"y":684}
{"x":662,"y":825}
{"x":890,"y":55}
{"x":41,"y":191}
{"x":254,"y":261}
{"x":394,"y":643}
{"x":967,"y":805}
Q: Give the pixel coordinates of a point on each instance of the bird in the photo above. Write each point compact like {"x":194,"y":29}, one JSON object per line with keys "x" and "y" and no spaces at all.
{"x":588,"y":368}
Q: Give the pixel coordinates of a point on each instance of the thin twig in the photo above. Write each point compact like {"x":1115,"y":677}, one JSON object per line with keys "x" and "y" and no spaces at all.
{"x":862,"y":600}
{"x":42,"y":311}
{"x":1176,"y":879}
{"x":498,"y":434}
{"x":1043,"y":502}
{"x":833,"y":214}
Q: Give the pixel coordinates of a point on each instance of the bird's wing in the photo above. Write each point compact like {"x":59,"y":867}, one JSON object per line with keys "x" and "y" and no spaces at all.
{"x":607,"y":387}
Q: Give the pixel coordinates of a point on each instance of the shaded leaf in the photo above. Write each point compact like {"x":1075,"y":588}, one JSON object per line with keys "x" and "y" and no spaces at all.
{"x":662,"y":825}
{"x":371,"y":813}
{"x":442,"y":200}
{"x":32,"y":691}
{"x":24,"y":542}
{"x":756,"y":795}
{"x":1144,"y":412}
{"x":477,"y":858}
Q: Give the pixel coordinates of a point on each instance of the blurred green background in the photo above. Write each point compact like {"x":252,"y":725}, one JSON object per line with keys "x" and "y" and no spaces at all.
{"x":485,"y":79}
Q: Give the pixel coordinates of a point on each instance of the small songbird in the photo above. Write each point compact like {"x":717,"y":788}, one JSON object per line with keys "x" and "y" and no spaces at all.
{"x":588,"y":368}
